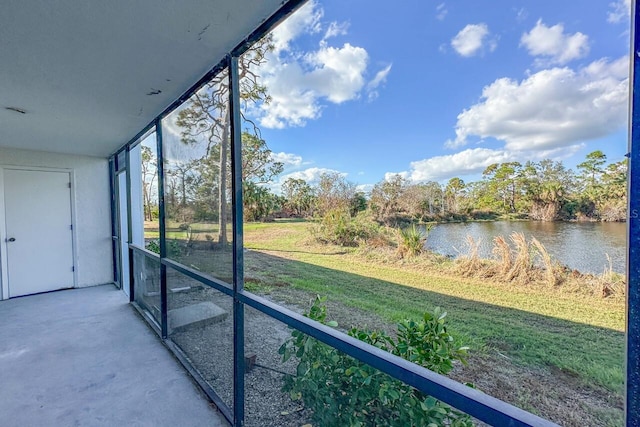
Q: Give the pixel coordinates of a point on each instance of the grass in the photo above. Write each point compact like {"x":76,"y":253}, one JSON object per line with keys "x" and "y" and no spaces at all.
{"x":198,"y":230}
{"x":577,"y":335}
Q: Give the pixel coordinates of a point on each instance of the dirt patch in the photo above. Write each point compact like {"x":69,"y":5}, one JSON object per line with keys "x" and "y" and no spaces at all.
{"x":551,"y":394}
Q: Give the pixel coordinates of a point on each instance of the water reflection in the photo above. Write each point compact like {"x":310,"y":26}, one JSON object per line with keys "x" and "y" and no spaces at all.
{"x":581,"y":246}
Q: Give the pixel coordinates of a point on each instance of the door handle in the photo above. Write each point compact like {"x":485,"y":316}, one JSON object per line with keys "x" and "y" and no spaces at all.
{"x":11,"y":239}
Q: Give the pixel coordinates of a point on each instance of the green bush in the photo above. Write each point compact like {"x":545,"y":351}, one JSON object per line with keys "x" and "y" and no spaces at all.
{"x":173,"y":247}
{"x":412,"y":240}
{"x":343,"y":391}
{"x":153,"y":246}
{"x":338,"y":227}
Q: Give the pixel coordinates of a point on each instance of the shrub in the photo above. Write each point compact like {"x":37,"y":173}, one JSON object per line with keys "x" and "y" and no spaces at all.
{"x":343,"y":391}
{"x":153,"y":246}
{"x":412,"y":240}
{"x":523,"y":262}
{"x":339,"y":228}
{"x":172,"y":246}
{"x":610,"y":283}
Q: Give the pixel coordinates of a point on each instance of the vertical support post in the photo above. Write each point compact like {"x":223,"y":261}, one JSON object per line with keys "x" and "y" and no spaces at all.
{"x":118,"y":228}
{"x":238,"y":257}
{"x":632,"y":406}
{"x":162,"y":225}
{"x":129,"y":225}
{"x":114,"y":216}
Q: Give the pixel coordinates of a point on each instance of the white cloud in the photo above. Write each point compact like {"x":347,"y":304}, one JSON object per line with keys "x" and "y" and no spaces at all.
{"x":620,"y":9}
{"x":466,"y":162}
{"x":291,"y":104}
{"x":170,"y":126}
{"x":365,"y":188}
{"x":301,"y":83}
{"x":336,"y":29}
{"x":472,"y":39}
{"x":552,"y":108}
{"x":380,"y":78}
{"x":475,"y":160}
{"x":561,"y":153}
{"x":311,"y":175}
{"x":554,"y":45}
{"x":389,"y":176}
{"x":441,"y":11}
{"x":304,"y":20}
{"x":287,"y":159}
{"x":297,"y":85}
{"x":338,"y":73}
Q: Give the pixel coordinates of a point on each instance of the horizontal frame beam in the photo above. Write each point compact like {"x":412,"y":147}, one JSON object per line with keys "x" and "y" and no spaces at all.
{"x":212,"y":282}
{"x":471,"y":401}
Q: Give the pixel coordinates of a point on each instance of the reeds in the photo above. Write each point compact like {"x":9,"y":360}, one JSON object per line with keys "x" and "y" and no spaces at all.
{"x":515,"y":261}
{"x":502,"y":252}
{"x":610,"y":283}
{"x":470,"y":264}
{"x":552,"y":269}
{"x":523,"y":262}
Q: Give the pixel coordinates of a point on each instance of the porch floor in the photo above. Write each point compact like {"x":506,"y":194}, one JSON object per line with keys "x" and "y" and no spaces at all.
{"x":83,"y":357}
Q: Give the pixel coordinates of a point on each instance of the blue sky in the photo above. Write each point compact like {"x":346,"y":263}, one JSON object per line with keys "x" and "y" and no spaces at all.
{"x":434,"y":89}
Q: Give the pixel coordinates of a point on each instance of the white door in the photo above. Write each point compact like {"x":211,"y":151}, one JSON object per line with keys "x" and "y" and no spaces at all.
{"x":38,"y":243}
{"x":124,"y":231}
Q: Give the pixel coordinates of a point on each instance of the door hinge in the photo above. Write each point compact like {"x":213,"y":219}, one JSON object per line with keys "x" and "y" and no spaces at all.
{"x":71,"y":227}
{"x":69,"y":185}
{"x":73,"y":268}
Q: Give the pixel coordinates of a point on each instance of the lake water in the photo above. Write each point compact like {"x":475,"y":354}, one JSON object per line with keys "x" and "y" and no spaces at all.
{"x":580,"y":246}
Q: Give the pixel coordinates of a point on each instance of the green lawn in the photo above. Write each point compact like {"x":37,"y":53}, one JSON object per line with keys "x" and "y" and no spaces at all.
{"x":579,"y":335}
{"x":199,"y":230}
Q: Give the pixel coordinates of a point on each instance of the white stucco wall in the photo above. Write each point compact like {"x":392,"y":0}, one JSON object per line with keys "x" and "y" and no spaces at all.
{"x":91,"y":198}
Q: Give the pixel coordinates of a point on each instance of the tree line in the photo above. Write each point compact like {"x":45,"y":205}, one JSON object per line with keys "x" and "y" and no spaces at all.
{"x":545,"y":190}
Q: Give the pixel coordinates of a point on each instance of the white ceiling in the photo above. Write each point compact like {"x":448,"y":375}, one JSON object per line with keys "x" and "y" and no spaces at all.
{"x":85,"y":72}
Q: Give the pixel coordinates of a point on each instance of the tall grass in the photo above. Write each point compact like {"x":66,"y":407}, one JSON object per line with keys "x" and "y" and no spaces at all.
{"x":518,"y":261}
{"x":470,"y":264}
{"x":552,"y":269}
{"x":502,"y":252}
{"x":523,"y":261}
{"x":610,"y":283}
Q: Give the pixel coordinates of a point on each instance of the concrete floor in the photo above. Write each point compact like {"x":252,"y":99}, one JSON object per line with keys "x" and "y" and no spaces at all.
{"x":83,"y":357}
